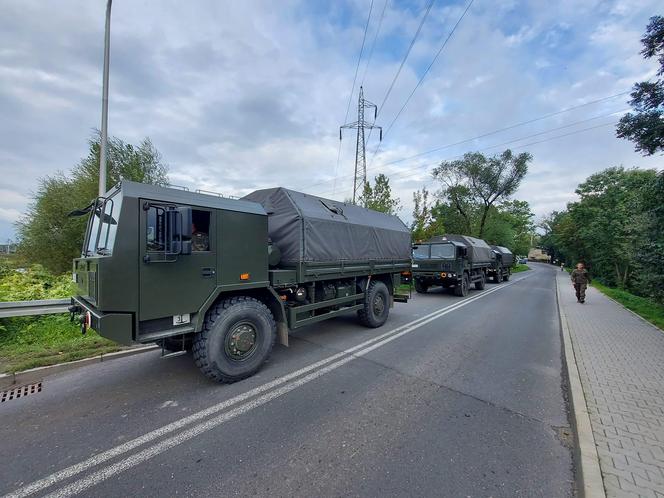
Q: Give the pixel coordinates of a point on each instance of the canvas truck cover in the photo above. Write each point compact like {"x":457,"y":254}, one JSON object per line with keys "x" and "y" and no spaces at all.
{"x":309,"y":228}
{"x":505,"y":254}
{"x":478,"y":251}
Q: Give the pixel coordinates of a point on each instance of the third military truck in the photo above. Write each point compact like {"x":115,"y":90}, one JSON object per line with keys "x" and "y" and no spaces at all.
{"x":451,"y":261}
{"x":226,"y":277}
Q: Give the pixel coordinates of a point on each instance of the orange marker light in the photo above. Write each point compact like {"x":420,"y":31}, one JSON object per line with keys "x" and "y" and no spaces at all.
{"x":244,"y":276}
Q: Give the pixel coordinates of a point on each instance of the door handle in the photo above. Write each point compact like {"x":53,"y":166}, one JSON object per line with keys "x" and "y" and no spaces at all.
{"x":208,"y":272}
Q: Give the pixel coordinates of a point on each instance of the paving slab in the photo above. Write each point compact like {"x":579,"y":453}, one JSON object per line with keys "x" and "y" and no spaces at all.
{"x":620,"y":359}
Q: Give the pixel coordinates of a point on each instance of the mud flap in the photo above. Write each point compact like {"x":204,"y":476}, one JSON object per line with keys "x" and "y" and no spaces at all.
{"x":282,"y":332}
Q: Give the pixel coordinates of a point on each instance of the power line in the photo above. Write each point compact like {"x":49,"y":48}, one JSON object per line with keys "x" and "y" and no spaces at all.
{"x":402,"y":174}
{"x":484,"y":135}
{"x":373,"y":44}
{"x":350,"y":97}
{"x":433,"y":61}
{"x":516,"y":125}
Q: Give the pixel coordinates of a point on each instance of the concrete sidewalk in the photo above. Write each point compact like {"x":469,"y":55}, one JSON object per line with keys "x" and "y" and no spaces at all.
{"x":620,"y":359}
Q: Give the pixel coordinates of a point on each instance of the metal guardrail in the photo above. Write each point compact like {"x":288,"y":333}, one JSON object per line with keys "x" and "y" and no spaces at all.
{"x":29,"y":308}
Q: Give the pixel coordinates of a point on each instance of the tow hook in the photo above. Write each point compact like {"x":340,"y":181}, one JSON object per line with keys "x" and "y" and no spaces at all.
{"x":86,"y":321}
{"x":74,"y":309}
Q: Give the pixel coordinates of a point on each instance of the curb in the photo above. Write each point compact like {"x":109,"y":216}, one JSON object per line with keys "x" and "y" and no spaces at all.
{"x":36,"y":374}
{"x":589,"y":481}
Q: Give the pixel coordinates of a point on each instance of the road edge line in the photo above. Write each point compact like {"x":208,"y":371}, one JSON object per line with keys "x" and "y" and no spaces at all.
{"x":34,"y":374}
{"x":589,"y":481}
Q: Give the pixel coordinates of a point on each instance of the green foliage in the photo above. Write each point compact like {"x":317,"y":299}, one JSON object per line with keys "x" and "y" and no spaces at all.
{"x":379,"y":197}
{"x":645,"y":127}
{"x":476,"y":183}
{"x":518,"y":268}
{"x":644,"y":307}
{"x":46,"y":234}
{"x":424,"y":226}
{"x":28,"y":342}
{"x":615,"y":228}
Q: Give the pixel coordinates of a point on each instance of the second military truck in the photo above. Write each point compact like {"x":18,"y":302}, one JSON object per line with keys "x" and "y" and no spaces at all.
{"x":226,"y":277}
{"x":451,"y":261}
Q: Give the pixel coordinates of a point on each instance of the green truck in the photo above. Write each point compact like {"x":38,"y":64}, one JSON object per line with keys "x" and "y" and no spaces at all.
{"x":501,"y":268}
{"x":225,"y":277}
{"x":451,"y":261}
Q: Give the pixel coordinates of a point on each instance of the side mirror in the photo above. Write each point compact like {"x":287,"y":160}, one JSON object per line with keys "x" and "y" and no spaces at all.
{"x":178,"y":222}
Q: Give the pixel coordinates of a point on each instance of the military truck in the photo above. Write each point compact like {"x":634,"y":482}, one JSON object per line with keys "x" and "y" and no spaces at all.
{"x":501,"y":268}
{"x":451,"y":261}
{"x":224,"y":277}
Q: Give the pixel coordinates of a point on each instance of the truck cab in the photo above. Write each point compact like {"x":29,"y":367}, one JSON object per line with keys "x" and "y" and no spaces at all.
{"x":450,"y":261}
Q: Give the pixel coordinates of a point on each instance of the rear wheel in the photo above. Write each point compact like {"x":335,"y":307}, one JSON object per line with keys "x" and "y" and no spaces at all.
{"x":481,"y":284}
{"x":376,"y":305}
{"x":462,"y":287}
{"x":236,"y":339}
{"x":421,"y":287}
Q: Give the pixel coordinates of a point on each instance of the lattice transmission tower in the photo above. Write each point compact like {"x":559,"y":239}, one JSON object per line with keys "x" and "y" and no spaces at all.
{"x":360,"y":150}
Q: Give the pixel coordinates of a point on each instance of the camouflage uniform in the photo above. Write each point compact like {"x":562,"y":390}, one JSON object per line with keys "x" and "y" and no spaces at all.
{"x":580,"y":279}
{"x":200,"y":241}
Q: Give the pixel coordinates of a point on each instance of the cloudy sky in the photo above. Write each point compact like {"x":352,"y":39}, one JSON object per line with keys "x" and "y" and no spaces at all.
{"x":240,"y":95}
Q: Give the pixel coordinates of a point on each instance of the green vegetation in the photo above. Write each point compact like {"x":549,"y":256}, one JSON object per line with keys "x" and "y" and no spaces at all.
{"x":47,"y":235}
{"x":645,"y":308}
{"x":379,"y":197}
{"x":29,"y":342}
{"x":474,"y":200}
{"x":519,"y":268}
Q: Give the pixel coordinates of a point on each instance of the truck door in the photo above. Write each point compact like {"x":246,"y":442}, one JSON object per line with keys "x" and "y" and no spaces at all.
{"x":172,"y":286}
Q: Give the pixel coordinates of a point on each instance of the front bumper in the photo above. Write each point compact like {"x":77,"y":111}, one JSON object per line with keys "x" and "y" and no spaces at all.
{"x":117,"y":327}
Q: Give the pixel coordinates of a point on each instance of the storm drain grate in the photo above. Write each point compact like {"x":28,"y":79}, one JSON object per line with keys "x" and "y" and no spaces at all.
{"x":21,"y":392}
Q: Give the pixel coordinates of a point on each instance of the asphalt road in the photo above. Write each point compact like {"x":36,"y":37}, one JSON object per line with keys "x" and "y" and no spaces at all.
{"x":452,"y":397}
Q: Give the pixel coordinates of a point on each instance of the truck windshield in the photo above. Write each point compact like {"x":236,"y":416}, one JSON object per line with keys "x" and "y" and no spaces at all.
{"x":421,"y":251}
{"x":442,"y":251}
{"x":103,"y":225}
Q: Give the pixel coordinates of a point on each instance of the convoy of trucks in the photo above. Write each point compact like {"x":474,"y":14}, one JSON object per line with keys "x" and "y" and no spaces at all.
{"x":457,"y":262}
{"x":224,"y":278}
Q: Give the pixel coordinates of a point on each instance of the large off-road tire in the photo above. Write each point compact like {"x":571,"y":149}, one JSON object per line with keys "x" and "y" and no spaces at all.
{"x":237,"y":338}
{"x":481,"y":284}
{"x":376,"y":305}
{"x":462,"y":288}
{"x":507,"y":276}
{"x":498,"y":276}
{"x":421,"y":287}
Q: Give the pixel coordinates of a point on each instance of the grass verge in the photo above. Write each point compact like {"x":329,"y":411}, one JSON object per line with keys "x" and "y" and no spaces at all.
{"x":36,"y":342}
{"x":519,"y":268}
{"x":642,"y":306}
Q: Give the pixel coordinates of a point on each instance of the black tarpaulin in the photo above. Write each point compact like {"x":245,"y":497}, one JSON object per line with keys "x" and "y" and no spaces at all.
{"x":309,"y":228}
{"x":505,"y":255}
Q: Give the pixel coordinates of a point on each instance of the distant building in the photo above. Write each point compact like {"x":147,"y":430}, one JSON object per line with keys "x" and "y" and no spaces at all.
{"x":537,"y":254}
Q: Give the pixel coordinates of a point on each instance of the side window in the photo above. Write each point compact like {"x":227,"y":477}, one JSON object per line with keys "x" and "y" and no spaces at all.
{"x":200,"y":230}
{"x":156,"y":229}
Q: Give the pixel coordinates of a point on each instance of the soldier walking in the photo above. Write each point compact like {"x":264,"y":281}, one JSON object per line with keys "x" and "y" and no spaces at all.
{"x":580,"y":281}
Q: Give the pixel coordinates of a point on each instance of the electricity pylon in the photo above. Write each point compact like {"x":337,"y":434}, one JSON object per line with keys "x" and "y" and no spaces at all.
{"x":360,"y":149}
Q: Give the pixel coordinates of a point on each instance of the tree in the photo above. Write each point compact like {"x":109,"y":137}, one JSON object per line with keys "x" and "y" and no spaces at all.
{"x":479,"y":181}
{"x":645,"y":127}
{"x":379,"y":197}
{"x":46,"y":234}
{"x":423,"y":226}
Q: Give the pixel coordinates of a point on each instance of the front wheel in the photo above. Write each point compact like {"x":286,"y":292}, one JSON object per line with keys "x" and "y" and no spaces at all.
{"x":507,"y":275}
{"x":236,"y":339}
{"x":481,"y":284}
{"x":376,"y":305}
{"x":462,"y":287}
{"x":498,"y":276}
{"x":421,"y":287}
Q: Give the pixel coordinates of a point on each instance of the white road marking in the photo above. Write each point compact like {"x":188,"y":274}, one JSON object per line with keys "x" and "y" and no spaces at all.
{"x":350,"y":354}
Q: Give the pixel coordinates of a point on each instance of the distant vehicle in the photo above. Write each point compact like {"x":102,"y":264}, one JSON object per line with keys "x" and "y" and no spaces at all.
{"x":501,"y":267}
{"x":451,"y":261}
{"x":523,"y":261}
{"x":225,"y":277}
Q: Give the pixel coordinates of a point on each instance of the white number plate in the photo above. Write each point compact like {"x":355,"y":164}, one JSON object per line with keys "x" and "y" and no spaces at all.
{"x":181,"y":319}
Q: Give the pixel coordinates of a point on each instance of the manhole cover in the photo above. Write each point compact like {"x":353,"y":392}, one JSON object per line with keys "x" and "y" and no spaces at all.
{"x":20,"y":392}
